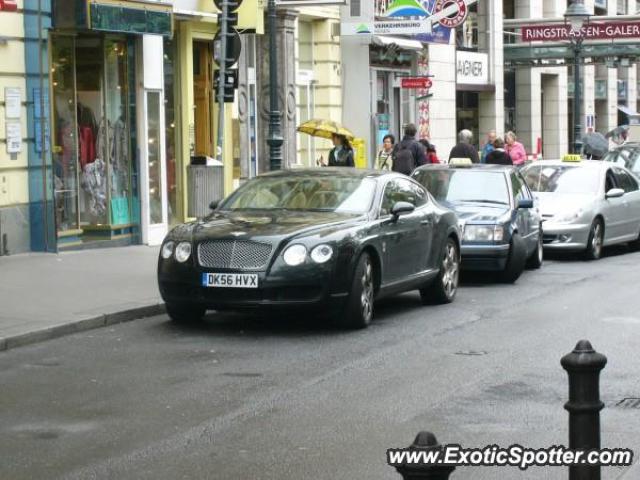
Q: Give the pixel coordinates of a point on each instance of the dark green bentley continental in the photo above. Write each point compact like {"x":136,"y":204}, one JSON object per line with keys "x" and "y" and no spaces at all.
{"x":326,"y":240}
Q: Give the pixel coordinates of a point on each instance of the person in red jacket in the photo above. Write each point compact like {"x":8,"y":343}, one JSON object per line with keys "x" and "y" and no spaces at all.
{"x":430,"y":149}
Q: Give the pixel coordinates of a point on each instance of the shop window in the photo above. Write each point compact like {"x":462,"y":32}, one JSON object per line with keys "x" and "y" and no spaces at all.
{"x":170,"y":129}
{"x":92,"y":150}
{"x":154,"y":157}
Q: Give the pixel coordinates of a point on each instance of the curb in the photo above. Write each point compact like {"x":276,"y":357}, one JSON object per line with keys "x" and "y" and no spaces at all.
{"x":49,"y":333}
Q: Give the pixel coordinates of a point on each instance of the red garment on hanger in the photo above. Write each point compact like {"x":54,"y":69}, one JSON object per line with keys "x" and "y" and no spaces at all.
{"x":87,"y":146}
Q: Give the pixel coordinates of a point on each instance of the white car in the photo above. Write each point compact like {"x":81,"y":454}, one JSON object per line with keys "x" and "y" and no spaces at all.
{"x":585,"y":205}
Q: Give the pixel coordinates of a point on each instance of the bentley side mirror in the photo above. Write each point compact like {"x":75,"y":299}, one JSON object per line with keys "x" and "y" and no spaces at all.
{"x":213,"y":205}
{"x":402,"y":208}
{"x":525,"y":203}
{"x":615,"y":193}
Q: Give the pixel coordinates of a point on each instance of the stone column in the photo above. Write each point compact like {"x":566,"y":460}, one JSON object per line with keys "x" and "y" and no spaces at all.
{"x":491,"y":106}
{"x":555,"y":133}
{"x":442,"y":106}
{"x":357,"y":105}
{"x":287,"y":89}
{"x":528,"y":87}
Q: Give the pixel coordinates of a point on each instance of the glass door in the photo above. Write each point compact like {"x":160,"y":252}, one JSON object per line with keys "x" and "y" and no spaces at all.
{"x":65,"y":130}
{"x":155,"y":214}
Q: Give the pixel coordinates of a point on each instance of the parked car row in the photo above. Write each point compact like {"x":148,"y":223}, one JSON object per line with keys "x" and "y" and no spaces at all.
{"x":336,"y":240}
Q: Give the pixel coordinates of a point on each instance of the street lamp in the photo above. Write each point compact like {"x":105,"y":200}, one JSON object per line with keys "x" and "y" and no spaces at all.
{"x":577,"y":16}
{"x":275,"y":129}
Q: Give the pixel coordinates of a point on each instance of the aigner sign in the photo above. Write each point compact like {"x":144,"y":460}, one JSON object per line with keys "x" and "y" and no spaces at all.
{"x":472,"y":68}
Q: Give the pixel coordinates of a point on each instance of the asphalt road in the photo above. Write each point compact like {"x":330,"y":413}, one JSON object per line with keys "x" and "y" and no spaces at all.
{"x":242,"y":398}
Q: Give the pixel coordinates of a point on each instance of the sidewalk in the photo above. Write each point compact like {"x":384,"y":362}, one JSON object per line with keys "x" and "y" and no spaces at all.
{"x":45,"y":296}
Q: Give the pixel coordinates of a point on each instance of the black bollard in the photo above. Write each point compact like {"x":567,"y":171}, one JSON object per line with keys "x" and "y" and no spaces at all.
{"x":583,"y":366}
{"x":425,"y":441}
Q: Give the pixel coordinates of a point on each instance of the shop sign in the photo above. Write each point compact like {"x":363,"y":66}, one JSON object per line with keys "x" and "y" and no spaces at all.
{"x":451,"y":13}
{"x":593,"y":31}
{"x":424,"y":83}
{"x":14,"y":137}
{"x":472,"y":68}
{"x":12,"y":102}
{"x":8,"y":5}
{"x":388,"y":27}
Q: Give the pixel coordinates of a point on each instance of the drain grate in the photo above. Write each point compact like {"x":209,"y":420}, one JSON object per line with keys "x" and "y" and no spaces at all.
{"x":472,"y":353}
{"x":629,"y":403}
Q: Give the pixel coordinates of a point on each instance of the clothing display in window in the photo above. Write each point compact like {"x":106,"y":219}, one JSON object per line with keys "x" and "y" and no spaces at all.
{"x":94,"y":183}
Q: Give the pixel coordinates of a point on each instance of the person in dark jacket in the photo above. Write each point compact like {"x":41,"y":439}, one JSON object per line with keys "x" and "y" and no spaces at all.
{"x":341,"y":155}
{"x":498,"y":156}
{"x":464,"y":148}
{"x":409,"y":153}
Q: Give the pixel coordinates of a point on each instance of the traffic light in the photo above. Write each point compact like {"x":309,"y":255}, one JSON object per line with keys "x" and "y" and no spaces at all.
{"x":230,"y":84}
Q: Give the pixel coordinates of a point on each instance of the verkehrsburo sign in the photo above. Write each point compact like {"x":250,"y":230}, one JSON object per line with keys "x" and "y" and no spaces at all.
{"x":593,"y":31}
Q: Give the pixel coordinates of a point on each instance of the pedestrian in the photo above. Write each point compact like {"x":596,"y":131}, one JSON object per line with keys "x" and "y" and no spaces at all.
{"x":515,"y":149}
{"x":498,"y":156}
{"x":488,"y":147}
{"x":432,"y":155}
{"x":464,"y":148}
{"x":409,"y":153}
{"x":430,"y":148}
{"x":384,"y":159}
{"x":341,"y":155}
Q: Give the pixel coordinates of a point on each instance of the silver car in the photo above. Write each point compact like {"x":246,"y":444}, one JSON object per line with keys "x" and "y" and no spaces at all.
{"x":585,"y":205}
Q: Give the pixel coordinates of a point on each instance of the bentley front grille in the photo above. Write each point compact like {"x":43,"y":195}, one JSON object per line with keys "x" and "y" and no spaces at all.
{"x":234,"y":254}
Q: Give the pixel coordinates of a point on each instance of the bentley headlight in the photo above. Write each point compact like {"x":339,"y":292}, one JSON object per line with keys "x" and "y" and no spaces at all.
{"x":183,"y":252}
{"x":322,"y":253}
{"x":567,"y":217}
{"x":479,"y":233}
{"x":167,"y":250}
{"x":295,"y":255}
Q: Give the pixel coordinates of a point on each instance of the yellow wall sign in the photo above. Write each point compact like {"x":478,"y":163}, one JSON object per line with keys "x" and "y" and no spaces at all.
{"x":571,"y":158}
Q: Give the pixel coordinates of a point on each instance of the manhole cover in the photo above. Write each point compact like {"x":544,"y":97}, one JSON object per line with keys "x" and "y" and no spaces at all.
{"x":472,"y":353}
{"x":629,"y":403}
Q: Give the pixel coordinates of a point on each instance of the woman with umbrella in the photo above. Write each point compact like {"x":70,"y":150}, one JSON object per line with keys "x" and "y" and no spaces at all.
{"x":341,"y":155}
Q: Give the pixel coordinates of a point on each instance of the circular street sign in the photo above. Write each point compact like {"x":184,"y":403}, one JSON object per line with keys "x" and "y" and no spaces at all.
{"x":455,"y":11}
{"x":233,"y":48}
{"x":232,"y":4}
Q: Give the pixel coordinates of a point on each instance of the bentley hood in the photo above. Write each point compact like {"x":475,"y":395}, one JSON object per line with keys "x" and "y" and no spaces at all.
{"x":266,"y":225}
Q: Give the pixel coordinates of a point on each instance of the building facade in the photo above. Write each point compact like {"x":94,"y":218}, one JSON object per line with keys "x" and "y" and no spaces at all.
{"x":14,"y":192}
{"x":540,"y":96}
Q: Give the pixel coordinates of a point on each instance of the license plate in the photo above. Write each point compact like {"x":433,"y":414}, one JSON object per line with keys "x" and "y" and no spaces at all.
{"x":230,"y":280}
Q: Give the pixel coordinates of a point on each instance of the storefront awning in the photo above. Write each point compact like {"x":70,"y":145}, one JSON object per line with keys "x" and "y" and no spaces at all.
{"x":627,"y":111}
{"x":404,"y":43}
